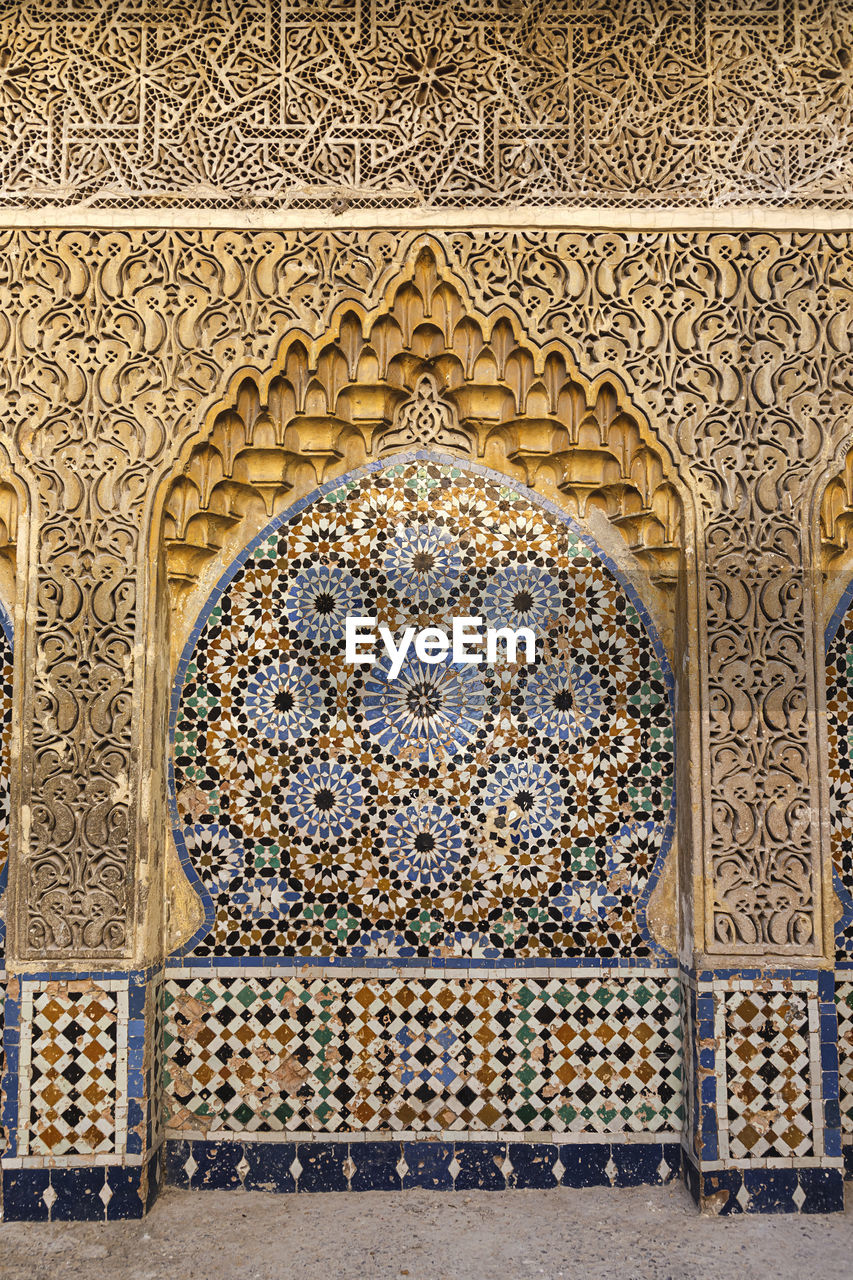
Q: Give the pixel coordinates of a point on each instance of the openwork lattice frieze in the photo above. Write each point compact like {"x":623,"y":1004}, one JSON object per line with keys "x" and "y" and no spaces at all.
{"x":403,"y":103}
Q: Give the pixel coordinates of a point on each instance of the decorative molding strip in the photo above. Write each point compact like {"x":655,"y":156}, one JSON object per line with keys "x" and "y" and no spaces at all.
{"x":433,"y":1165}
{"x":378,"y":103}
{"x":526,"y":218}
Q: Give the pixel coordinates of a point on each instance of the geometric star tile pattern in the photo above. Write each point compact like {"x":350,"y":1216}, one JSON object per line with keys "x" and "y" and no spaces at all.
{"x":839,"y":706}
{"x":430,"y":1055}
{"x":769,"y":1071}
{"x":75,"y":1059}
{"x":492,"y":810}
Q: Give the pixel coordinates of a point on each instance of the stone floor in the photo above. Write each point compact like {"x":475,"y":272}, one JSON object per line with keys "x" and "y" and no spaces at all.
{"x":643,"y":1233}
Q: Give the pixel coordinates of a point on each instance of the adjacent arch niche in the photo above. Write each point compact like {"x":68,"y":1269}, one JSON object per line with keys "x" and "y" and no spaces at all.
{"x":834,"y":545}
{"x":10,"y":508}
{"x":422,"y":370}
{"x":12,"y":503}
{"x":836,"y":516}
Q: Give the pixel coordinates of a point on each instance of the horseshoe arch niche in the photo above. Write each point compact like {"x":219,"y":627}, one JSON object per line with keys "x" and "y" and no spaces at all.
{"x":422,"y":372}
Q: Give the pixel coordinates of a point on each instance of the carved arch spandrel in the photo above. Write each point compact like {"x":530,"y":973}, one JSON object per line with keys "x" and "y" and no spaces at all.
{"x":486,"y":391}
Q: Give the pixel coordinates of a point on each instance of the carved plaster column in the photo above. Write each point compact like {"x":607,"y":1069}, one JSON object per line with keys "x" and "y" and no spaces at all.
{"x":763,"y":1123}
{"x":80,"y":1103}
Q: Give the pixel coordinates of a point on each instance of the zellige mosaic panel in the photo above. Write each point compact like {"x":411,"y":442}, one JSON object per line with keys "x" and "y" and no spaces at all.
{"x":487,"y":811}
{"x":74,"y":1061}
{"x":768,"y":1056}
{"x":844,"y":1002}
{"x":433,"y":1055}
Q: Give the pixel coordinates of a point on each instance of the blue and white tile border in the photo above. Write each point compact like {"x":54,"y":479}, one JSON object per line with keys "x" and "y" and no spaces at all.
{"x":482,"y":1163}
{"x":361,"y":967}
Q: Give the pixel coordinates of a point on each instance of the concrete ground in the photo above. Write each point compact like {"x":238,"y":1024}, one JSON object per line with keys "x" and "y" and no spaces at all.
{"x":645,"y":1233}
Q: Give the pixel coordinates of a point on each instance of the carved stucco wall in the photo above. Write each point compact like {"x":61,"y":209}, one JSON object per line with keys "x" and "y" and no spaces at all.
{"x":116,"y":345}
{"x":131,"y":356}
{"x":426,"y":103}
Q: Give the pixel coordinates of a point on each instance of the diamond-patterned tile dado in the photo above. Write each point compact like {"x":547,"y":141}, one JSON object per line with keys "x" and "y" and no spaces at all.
{"x":154,"y":1074}
{"x":438,"y":1055}
{"x":769,"y":1074}
{"x":688,"y":1082}
{"x":72,"y":1081}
